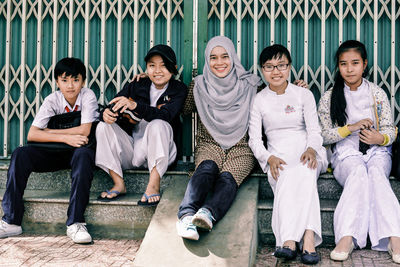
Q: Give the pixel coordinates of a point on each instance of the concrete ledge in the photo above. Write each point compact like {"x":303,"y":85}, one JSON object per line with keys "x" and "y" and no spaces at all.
{"x":135,"y":180}
{"x":60,"y":181}
{"x":46,"y":213}
{"x":232,"y":242}
{"x":328,"y":187}
{"x":265,"y":217}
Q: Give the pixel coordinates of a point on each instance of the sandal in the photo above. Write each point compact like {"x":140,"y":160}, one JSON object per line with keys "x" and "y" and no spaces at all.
{"x":108,"y":199}
{"x":146,"y":202}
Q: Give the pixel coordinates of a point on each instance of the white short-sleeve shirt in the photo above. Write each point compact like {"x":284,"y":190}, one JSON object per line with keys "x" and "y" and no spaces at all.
{"x":56,"y":103}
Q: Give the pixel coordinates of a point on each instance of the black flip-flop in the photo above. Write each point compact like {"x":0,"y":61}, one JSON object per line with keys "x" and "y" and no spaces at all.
{"x":147,"y":203}
{"x":107,"y":199}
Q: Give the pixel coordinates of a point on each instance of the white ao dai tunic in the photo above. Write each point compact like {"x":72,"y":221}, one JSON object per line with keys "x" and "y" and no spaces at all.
{"x":367,"y":204}
{"x":291,"y":125}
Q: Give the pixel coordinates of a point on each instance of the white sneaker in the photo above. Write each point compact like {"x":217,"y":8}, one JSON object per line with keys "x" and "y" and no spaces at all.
{"x":7,"y":230}
{"x":203,"y":219}
{"x":186,"y":229}
{"x":78,"y":233}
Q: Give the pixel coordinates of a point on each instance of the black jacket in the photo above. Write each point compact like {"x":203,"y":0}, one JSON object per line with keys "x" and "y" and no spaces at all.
{"x":171,"y":102}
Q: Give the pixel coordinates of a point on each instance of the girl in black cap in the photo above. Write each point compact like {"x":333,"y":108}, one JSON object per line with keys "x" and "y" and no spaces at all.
{"x":138,"y":127}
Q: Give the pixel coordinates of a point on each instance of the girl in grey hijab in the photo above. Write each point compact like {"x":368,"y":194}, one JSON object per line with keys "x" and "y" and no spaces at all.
{"x":222,"y":97}
{"x":223,"y":104}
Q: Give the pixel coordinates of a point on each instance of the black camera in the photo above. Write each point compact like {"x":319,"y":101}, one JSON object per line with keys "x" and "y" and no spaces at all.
{"x":111,"y":106}
{"x":130,"y":115}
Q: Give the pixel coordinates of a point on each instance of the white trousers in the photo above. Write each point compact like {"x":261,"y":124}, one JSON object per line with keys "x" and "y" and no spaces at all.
{"x":367,"y":204}
{"x":117,"y":151}
{"x":296,"y":203}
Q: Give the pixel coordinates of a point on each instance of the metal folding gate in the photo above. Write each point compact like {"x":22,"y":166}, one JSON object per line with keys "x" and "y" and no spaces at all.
{"x":112,"y":36}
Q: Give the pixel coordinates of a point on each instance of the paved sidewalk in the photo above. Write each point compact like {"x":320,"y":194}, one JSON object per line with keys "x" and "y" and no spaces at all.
{"x":60,"y":251}
{"x":29,"y":250}
{"x":359,"y":258}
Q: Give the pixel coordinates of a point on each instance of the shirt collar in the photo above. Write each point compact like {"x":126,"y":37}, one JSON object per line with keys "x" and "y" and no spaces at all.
{"x":153,"y":87}
{"x":77,"y":106}
{"x":362,"y":85}
{"x":271,"y":92}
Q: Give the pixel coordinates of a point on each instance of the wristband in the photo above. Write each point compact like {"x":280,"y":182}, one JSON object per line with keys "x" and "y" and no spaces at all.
{"x":344,"y":131}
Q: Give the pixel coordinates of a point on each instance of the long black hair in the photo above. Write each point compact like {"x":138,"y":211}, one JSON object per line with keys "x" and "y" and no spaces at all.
{"x":338,"y":101}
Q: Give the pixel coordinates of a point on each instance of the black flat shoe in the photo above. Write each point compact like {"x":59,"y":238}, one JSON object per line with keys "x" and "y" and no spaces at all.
{"x":285,"y":253}
{"x":309,"y":258}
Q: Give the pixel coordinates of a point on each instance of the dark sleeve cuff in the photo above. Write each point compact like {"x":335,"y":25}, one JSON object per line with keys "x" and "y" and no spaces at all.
{"x":140,"y":109}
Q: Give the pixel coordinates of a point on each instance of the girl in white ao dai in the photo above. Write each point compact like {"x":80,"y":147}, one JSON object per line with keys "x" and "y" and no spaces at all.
{"x":294,"y":157}
{"x":357,"y":122}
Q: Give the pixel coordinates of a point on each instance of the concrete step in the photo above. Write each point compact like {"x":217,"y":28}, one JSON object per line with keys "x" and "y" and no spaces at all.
{"x":60,"y":181}
{"x":328,"y":187}
{"x":47,"y":197}
{"x":232,"y":242}
{"x":265,"y":215}
{"x":46,"y":213}
{"x":136,"y":181}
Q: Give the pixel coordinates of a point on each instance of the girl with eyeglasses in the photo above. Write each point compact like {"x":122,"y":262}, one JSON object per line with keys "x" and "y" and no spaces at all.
{"x":357,"y":122}
{"x":293,"y":158}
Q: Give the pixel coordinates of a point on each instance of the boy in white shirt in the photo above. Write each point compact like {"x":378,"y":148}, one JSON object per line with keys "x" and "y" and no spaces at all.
{"x":70,"y":75}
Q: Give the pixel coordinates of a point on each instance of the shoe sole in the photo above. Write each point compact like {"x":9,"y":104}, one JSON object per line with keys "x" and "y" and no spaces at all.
{"x":308,"y":261}
{"x":195,"y":238}
{"x":88,"y":241}
{"x":191,"y":237}
{"x":199,"y":222}
{"x":282,"y":255}
{"x":11,"y":234}
{"x":339,"y":258}
{"x":83,"y":242}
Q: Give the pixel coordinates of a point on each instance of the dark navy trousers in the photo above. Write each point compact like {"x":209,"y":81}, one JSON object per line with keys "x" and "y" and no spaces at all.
{"x":28,"y":159}
{"x":206,"y":181}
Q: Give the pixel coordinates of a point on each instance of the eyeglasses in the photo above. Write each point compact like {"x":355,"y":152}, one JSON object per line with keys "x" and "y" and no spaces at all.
{"x":270,"y":68}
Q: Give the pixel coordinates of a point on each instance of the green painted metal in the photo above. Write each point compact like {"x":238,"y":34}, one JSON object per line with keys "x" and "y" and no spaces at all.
{"x":182,"y":42}
{"x":314,"y":37}
{"x":187,"y":73}
{"x":202,"y":34}
{"x":95,"y":53}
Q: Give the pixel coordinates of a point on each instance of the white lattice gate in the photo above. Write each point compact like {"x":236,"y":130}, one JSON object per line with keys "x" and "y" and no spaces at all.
{"x":112,"y":36}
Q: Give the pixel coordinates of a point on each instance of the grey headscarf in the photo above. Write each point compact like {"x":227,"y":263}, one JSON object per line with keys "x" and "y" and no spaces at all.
{"x":223,"y":104}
